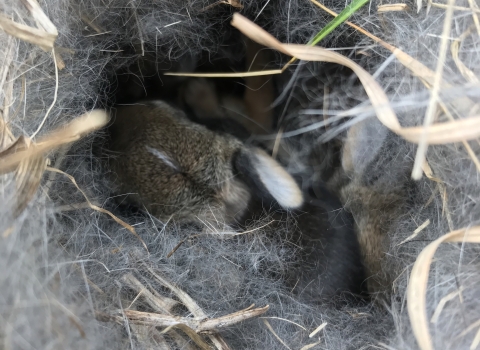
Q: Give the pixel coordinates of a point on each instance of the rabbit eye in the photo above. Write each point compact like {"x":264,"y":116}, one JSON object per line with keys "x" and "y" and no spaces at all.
{"x":165,"y":159}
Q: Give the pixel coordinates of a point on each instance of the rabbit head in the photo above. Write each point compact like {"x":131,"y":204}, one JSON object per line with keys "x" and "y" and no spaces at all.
{"x":173,"y":167}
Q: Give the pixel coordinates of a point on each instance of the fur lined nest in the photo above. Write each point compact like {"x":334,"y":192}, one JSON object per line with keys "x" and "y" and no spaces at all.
{"x":396,"y":86}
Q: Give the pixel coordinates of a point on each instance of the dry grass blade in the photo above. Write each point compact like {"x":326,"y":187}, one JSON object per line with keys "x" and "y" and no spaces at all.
{"x":456,"y":8}
{"x":28,"y":174}
{"x":454,"y":48}
{"x":85,"y":18}
{"x":198,"y":325}
{"x":157,"y":302}
{"x":434,"y":95}
{"x":419,"y":5}
{"x":415,"y":233}
{"x":73,"y":131}
{"x":417,"y":68}
{"x":310,"y":346}
{"x":376,"y":94}
{"x":275,"y":334}
{"x":191,"y":305}
{"x":101,"y":210}
{"x":474,"y":6}
{"x":318,"y":329}
{"x":162,"y":305}
{"x":28,"y":177}
{"x":42,"y":21}
{"x":454,"y":131}
{"x":19,"y":145}
{"x":54,"y":98}
{"x":442,"y":303}
{"x":392,"y":8}
{"x":228,"y":75}
{"x":417,"y":286}
{"x":59,"y":60}
{"x":234,"y":3}
{"x":476,"y":341}
{"x":31,"y":35}
{"x":3,"y":132}
{"x":194,"y":336}
{"x":285,"y":320}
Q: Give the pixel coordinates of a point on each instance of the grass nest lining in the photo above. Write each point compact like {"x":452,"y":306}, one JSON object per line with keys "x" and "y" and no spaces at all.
{"x":77,"y":272}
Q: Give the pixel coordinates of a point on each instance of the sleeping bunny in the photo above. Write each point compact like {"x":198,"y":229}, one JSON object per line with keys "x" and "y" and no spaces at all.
{"x":176,"y":168}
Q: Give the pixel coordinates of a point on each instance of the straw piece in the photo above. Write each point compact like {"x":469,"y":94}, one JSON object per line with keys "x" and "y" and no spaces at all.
{"x":101,"y":210}
{"x":275,"y":334}
{"x":417,"y":286}
{"x":41,"y":19}
{"x":453,"y":131}
{"x":392,"y":8}
{"x":318,"y":329}
{"x":434,"y":96}
{"x":198,"y":325}
{"x":39,"y":37}
{"x":71,"y":132}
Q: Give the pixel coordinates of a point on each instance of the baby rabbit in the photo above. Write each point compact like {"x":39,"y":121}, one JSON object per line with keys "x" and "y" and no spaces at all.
{"x":176,"y":168}
{"x":179,"y":169}
{"x":374,"y":190}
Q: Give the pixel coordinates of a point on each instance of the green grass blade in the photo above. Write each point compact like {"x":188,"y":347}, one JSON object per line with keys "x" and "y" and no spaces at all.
{"x":334,"y":23}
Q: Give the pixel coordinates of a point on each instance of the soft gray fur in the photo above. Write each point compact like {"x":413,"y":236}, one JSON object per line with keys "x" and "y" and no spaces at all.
{"x":60,"y":264}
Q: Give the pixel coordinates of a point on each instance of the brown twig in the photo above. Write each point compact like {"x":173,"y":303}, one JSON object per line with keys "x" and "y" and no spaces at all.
{"x":198,"y":325}
{"x":156,"y":301}
{"x":190,"y":304}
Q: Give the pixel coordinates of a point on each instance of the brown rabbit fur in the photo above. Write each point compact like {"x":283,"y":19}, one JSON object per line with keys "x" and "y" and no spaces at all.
{"x":174,"y":167}
{"x":375,"y":207}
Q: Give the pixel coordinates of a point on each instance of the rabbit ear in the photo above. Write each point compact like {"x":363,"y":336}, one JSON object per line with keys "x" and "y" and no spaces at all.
{"x":376,"y":156}
{"x":268,"y":177}
{"x":364,"y":141}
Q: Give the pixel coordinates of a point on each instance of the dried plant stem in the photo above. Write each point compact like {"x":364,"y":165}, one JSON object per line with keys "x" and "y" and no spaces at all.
{"x":54,"y":97}
{"x":198,"y":325}
{"x":458,"y":130}
{"x":97,"y":208}
{"x":156,"y":301}
{"x":28,"y":34}
{"x":417,"y":286}
{"x":417,"y":68}
{"x":456,"y":8}
{"x":65,"y":134}
{"x":190,"y":304}
{"x":275,"y":334}
{"x":434,"y":95}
